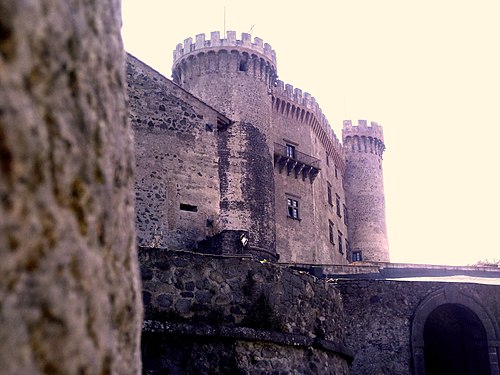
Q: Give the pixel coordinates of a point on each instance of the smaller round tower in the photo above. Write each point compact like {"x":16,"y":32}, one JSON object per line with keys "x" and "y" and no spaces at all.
{"x":364,"y":189}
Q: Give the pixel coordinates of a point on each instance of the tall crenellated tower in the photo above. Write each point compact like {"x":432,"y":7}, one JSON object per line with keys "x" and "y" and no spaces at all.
{"x":235,"y":77}
{"x":364,"y":189}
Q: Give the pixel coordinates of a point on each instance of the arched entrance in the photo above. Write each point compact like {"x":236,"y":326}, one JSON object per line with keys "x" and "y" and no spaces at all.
{"x":453,"y":334}
{"x":455,"y":342}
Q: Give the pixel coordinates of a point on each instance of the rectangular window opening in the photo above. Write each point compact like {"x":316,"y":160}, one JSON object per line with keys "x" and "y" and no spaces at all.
{"x":329,"y":191}
{"x":188,"y":207}
{"x":357,"y":256}
{"x":341,"y":250}
{"x":331,"y":232}
{"x":337,"y":202}
{"x":293,"y":208}
{"x":290,"y":151}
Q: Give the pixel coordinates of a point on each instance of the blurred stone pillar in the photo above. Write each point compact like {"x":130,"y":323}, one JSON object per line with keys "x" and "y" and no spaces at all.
{"x":69,"y":291}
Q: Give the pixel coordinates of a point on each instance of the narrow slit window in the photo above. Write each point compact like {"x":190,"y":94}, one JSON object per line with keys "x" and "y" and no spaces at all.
{"x":331,"y":232}
{"x":188,"y":207}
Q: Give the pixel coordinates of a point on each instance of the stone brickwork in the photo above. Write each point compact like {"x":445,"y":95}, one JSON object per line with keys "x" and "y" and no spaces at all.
{"x":69,"y":285}
{"x":235,"y":77}
{"x":364,"y":186}
{"x":177,"y":162}
{"x":384,"y":319}
{"x":237,"y":315}
{"x":257,"y":180}
{"x":297,"y":120}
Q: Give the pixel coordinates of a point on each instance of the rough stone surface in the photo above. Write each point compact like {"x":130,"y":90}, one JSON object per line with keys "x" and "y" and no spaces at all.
{"x":177,"y":162}
{"x":238,"y":313}
{"x":69,"y":294}
{"x":307,"y":240}
{"x":218,"y":77}
{"x":380,"y":315}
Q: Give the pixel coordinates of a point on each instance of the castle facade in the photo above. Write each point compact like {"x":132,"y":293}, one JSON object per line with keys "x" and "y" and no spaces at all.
{"x":235,"y":164}
{"x":251,"y":159}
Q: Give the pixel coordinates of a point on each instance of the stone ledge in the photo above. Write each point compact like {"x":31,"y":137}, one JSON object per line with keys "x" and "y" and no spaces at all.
{"x":246,"y":334}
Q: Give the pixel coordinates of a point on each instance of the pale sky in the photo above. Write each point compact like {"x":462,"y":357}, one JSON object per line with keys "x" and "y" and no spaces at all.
{"x":428,"y":71}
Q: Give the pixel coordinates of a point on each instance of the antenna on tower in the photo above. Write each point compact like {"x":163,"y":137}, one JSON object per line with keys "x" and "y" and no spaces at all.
{"x":251,"y":29}
{"x":224,"y":21}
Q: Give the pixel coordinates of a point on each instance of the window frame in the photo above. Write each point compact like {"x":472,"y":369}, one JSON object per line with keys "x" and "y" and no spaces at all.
{"x":331,"y":232}
{"x":337,"y":203}
{"x":357,"y":256}
{"x":293,"y":208}
{"x":290,"y":150}
{"x":329,"y":194}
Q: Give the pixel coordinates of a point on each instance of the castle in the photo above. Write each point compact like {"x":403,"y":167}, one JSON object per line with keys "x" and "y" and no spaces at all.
{"x":70,"y":297}
{"x":265,"y":165}
{"x":233,"y":166}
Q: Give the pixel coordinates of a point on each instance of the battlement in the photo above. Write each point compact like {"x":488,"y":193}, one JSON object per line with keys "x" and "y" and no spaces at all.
{"x":201,"y":43}
{"x":286,"y":92}
{"x":373,"y":130}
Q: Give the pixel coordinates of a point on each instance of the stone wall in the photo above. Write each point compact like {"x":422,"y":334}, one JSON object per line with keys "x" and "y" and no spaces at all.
{"x":380,"y":316}
{"x":364,"y":186}
{"x":307,"y":240}
{"x":235,"y":78}
{"x":237,"y":315}
{"x":69,"y":293}
{"x":177,"y":163}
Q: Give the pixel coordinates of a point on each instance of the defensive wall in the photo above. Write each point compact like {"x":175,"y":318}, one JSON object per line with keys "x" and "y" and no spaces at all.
{"x":239,"y":315}
{"x":386,"y":321}
{"x":236,"y":315}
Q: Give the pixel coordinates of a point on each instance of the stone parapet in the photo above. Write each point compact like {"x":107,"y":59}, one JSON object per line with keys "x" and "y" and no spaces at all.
{"x":286,"y":93}
{"x":202,"y":44}
{"x":373,"y":130}
{"x":363,"y":137}
{"x":237,"y":315}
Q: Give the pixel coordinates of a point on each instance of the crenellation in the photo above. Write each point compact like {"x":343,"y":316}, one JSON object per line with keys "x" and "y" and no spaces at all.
{"x":214,"y":39}
{"x":200,"y":41}
{"x":363,"y":129}
{"x":258,"y":46}
{"x":187,"y":44}
{"x":246,"y":39}
{"x":298,"y":96}
{"x":287,"y":93}
{"x":231,"y":38}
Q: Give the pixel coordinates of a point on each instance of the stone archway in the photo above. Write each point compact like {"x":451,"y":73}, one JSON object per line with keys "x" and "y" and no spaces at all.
{"x":449,"y":324}
{"x":455,"y":342}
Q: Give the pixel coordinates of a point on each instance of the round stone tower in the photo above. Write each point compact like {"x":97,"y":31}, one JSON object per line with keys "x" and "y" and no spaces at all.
{"x":364,"y":190}
{"x":235,"y":77}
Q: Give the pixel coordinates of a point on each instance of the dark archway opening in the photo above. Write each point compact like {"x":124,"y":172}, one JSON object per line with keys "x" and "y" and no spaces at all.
{"x":455,"y":342}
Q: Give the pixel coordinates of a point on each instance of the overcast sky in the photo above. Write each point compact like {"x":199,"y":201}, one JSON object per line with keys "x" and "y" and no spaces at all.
{"x":428,"y":71}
